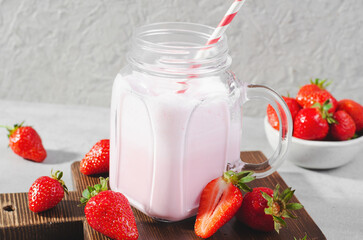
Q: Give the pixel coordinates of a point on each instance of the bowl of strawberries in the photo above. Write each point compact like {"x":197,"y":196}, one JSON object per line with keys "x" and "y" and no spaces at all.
{"x":327,"y":133}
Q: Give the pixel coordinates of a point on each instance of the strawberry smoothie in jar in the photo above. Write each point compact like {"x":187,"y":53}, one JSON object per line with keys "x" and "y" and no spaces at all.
{"x":176,"y":120}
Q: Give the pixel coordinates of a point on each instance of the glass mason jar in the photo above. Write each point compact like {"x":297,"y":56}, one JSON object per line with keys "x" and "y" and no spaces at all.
{"x":176,"y":119}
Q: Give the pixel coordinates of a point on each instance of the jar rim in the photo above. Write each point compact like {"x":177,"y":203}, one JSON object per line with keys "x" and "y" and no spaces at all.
{"x":141,"y":31}
{"x":178,"y":49}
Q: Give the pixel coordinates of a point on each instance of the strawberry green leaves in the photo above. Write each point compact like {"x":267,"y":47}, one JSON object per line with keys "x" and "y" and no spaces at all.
{"x":279,"y":206}
{"x":92,"y":191}
{"x":239,"y":179}
{"x":58,"y":176}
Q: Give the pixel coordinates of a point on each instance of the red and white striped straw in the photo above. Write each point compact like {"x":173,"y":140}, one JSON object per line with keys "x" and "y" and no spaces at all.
{"x":224,"y":23}
{"x":218,"y":32}
{"x":222,"y":26}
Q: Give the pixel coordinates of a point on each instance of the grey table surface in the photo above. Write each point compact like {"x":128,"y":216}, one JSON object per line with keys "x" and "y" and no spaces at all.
{"x":332,"y":197}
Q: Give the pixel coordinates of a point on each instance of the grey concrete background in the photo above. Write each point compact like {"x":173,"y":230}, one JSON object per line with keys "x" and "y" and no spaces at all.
{"x":69,"y":51}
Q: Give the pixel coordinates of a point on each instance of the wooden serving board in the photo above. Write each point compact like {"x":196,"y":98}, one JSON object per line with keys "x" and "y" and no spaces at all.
{"x":67,"y":221}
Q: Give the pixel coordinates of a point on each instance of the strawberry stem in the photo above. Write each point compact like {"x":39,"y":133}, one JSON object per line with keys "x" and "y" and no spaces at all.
{"x":239,"y":179}
{"x":11,"y":130}
{"x":322,"y":84}
{"x":304,"y":238}
{"x":92,"y":191}
{"x":279,"y":207}
{"x":57,"y":176}
{"x":324,"y":111}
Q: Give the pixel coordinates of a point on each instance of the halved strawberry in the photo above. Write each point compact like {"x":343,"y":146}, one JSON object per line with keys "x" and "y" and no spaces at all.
{"x":219,"y":202}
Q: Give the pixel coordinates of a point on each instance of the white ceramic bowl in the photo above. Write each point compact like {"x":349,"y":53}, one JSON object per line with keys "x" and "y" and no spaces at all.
{"x":317,"y":154}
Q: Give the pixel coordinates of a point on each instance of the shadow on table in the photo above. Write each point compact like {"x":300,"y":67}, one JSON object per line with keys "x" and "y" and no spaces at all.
{"x":60,"y":156}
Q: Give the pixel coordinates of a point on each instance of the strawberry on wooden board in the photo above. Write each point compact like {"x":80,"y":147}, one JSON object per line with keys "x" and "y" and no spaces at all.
{"x":26,"y":142}
{"x":97,"y":160}
{"x":109,"y":212}
{"x":220,"y":200}
{"x":46,"y":192}
{"x":315,"y":92}
{"x":293,"y":106}
{"x":265,"y":209}
{"x":343,"y":127}
{"x":355,"y":110}
{"x":313,"y":123}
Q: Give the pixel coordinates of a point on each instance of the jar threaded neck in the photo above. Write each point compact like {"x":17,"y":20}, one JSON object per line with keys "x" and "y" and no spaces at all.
{"x":178,"y":49}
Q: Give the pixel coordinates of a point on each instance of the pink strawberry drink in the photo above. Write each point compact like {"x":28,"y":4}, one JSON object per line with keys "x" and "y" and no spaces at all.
{"x":176,"y":121}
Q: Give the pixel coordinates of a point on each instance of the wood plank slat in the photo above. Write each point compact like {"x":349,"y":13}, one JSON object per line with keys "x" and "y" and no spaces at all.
{"x":61,"y":222}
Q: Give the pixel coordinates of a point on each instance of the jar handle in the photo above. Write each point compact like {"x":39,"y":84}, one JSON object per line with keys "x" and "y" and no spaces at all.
{"x":260,"y":92}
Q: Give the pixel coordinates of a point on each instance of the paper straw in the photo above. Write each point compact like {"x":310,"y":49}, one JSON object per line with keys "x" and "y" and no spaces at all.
{"x":223,"y":25}
{"x":218,"y":32}
{"x":227,"y":19}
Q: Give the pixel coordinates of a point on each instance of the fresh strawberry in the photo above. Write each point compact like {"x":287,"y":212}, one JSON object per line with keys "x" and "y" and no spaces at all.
{"x":315,"y":92}
{"x":355,"y":110}
{"x":343,"y":127}
{"x":109,"y":212}
{"x":25,"y":142}
{"x":313,"y":123}
{"x":219,"y":201}
{"x":46,"y":192}
{"x":97,"y":159}
{"x":265,"y":209}
{"x":303,"y":96}
{"x":321,"y":97}
{"x":294,"y":108}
